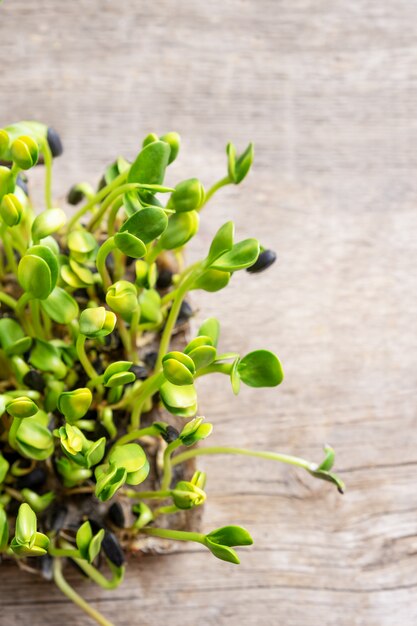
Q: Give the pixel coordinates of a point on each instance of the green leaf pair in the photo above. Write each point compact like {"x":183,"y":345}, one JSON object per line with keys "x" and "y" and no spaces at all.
{"x":11,"y":209}
{"x":186,"y":495}
{"x":202,"y":351}
{"x":221,"y":542}
{"x":122,"y":298}
{"x":38,"y":272}
{"x":78,"y":448}
{"x":239,"y":166}
{"x":71,"y":473}
{"x":12,"y":338}
{"x":89,"y":544}
{"x":126,"y":464}
{"x":188,"y":196}
{"x":139,"y":230}
{"x":27,"y":541}
{"x":323,"y":472}
{"x":75,"y":404}
{"x":178,"y":368}
{"x":179,"y":400}
{"x":96,"y":322}
{"x":118,"y":373}
{"x":225,"y":256}
{"x":196,"y":430}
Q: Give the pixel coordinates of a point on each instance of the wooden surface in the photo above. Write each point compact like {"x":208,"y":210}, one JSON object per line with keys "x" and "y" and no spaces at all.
{"x":328,"y":91}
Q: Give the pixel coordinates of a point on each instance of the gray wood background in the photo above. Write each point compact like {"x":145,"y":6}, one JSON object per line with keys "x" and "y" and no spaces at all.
{"x":328,"y":91}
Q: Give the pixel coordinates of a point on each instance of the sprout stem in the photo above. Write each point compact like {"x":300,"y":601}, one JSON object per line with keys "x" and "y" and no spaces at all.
{"x":145,"y":495}
{"x":134,"y":323}
{"x":178,"y":535}
{"x":221,"y":183}
{"x":8,"y":300}
{"x":102,"y":255}
{"x":36,"y":318}
{"x":96,"y":219}
{"x":47,"y":159}
{"x":167,"y":462}
{"x":8,"y":250}
{"x":96,"y":199}
{"x":68,"y":591}
{"x":112,"y":216}
{"x":137,"y":434}
{"x":80,"y":347}
{"x":173,"y":314}
{"x":271,"y":456}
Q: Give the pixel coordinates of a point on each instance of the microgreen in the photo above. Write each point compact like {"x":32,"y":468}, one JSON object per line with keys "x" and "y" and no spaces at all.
{"x":89,"y":305}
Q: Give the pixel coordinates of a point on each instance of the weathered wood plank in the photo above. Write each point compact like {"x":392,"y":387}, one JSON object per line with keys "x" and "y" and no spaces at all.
{"x":328,"y":92}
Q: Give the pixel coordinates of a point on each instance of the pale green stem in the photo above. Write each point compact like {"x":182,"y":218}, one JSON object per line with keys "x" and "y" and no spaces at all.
{"x":47,"y":157}
{"x":125,"y":337}
{"x":173,"y":315}
{"x":8,"y":249}
{"x":112,"y":216}
{"x":36,"y":318}
{"x":80,"y":347}
{"x":178,"y":535}
{"x":150,"y":431}
{"x":165,"y":510}
{"x":134,"y":323}
{"x":64,"y":552}
{"x":68,"y":591}
{"x":146,"y":495}
{"x":97,"y":198}
{"x":167,"y":463}
{"x":8,"y":300}
{"x":271,"y":456}
{"x":221,"y":183}
{"x":103,"y":252}
{"x":93,"y":573}
{"x":96,"y":219}
{"x":218,"y":368}
{"x":13,"y":432}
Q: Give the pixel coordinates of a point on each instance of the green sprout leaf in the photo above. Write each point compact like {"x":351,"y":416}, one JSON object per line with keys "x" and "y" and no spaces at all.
{"x":11,"y":209}
{"x":210,"y":328}
{"x":60,"y":306}
{"x":238,"y":167}
{"x":88,"y":544}
{"x":47,"y":358}
{"x":22,"y":407}
{"x":27,"y":541}
{"x":12,"y":337}
{"x":146,"y":224}
{"x":241,"y":255}
{"x":132,"y":458}
{"x":25,"y":152}
{"x":150,"y":164}
{"x":260,"y":368}
{"x":196,"y":430}
{"x":97,"y":322}
{"x":178,"y":368}
{"x":118,"y":373}
{"x":122,"y":297}
{"x":38,"y":272}
{"x":48,"y":222}
{"x":188,"y":196}
{"x":75,"y":404}
{"x":201,"y":351}
{"x":222,"y":242}
{"x":130,"y":245}
{"x":181,"y":228}
{"x":179,"y":400}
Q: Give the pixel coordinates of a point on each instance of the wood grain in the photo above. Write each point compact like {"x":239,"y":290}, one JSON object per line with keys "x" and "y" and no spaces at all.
{"x":328,"y":91}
